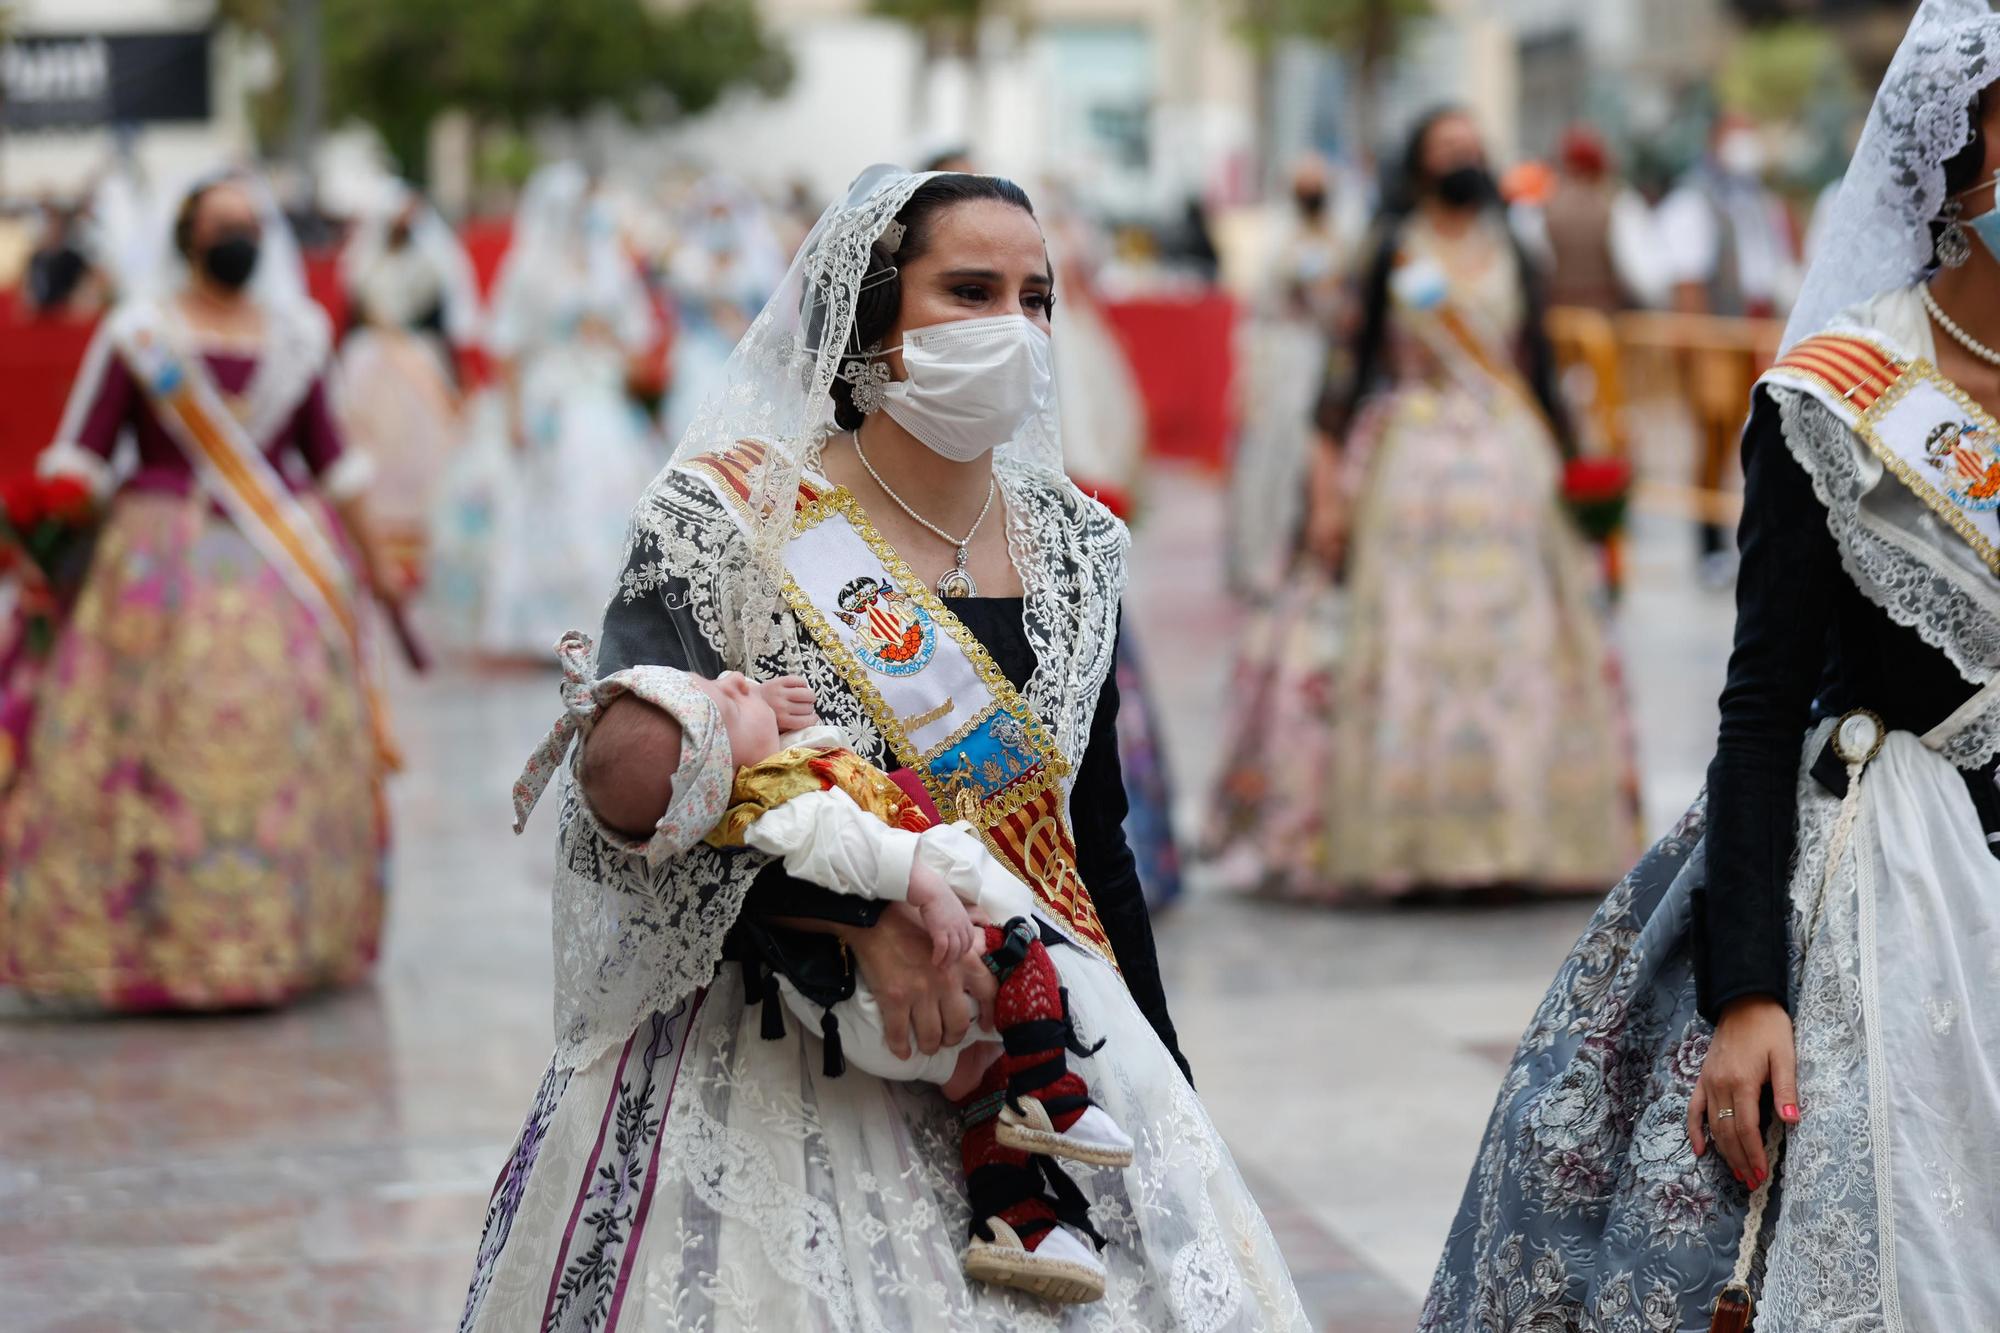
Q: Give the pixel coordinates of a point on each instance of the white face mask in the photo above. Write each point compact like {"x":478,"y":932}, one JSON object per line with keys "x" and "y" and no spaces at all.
{"x":1741,"y":153}
{"x":970,"y":385}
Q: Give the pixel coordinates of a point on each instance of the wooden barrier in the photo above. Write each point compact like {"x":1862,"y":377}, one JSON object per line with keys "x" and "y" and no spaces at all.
{"x":1707,"y":361}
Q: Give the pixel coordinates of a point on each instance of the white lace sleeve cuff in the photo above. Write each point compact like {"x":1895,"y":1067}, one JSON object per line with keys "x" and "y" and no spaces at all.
{"x":67,"y":458}
{"x":349,"y":476}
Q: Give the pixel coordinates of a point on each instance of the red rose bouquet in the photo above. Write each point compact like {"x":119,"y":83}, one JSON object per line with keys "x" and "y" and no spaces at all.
{"x":1598,"y":491}
{"x":46,"y":528}
{"x":45,"y":541}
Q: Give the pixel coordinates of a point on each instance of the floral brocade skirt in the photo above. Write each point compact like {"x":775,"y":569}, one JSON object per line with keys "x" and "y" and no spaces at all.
{"x":197,"y":824}
{"x":1587,"y":1209}
{"x":1461,"y":726}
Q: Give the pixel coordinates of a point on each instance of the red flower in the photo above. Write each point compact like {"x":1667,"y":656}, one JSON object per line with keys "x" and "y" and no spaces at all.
{"x":1596,"y":479}
{"x":67,"y":499}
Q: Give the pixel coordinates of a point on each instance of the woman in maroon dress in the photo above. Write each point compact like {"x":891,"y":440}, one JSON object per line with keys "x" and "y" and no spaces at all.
{"x":198,"y":823}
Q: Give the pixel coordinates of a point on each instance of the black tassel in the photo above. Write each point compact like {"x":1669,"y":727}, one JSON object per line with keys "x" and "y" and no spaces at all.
{"x":1070,"y":1040}
{"x":829,"y":1030}
{"x":774,"y":1012}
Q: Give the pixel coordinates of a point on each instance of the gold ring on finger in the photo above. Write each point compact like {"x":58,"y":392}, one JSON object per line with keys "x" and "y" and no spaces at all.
{"x":1725,"y":1113}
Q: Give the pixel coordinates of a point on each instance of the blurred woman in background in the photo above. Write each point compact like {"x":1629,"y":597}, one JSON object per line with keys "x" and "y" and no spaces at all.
{"x":411,"y":290}
{"x":1463,"y":733}
{"x":725,"y":259}
{"x":535,"y":508}
{"x":199,"y":824}
{"x":1303,"y":301}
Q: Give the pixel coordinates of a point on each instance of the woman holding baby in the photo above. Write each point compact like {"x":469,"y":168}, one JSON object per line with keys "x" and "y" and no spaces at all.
{"x":871,"y":502}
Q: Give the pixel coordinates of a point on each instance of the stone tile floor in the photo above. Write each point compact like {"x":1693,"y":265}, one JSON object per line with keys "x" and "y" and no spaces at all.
{"x":327,"y":1167}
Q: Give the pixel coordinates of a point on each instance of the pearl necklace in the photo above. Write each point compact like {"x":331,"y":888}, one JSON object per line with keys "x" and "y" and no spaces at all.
{"x":1958,"y":335}
{"x":956,"y":582}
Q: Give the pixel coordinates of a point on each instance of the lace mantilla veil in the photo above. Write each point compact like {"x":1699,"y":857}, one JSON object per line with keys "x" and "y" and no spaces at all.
{"x":1877,"y":236}
{"x":632,"y":938}
{"x":1878,"y":240}
{"x":775,"y":386}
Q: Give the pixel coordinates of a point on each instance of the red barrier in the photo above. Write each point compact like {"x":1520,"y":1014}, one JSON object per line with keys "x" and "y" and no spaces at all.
{"x":486,"y":241}
{"x":1182,"y":351}
{"x":38,"y":359}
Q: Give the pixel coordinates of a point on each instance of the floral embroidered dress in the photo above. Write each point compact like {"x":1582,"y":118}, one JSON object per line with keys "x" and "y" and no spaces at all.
{"x":198,"y":824}
{"x":693,"y":1174}
{"x":1858,"y":887}
{"x":1449,"y":720}
{"x":684,"y":1166}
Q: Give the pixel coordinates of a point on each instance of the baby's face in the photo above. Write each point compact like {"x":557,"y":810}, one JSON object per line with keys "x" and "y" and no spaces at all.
{"x":746,"y":716}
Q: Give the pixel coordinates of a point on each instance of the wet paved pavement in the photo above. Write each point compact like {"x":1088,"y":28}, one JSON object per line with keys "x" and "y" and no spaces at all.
{"x":327,"y":1167}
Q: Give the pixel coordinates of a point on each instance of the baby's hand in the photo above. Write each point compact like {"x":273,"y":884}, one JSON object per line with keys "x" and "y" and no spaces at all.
{"x":943,"y":915}
{"x":791,"y":702}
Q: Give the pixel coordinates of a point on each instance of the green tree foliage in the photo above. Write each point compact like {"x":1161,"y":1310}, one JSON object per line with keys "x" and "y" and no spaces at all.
{"x":1778,"y":73}
{"x":1367,"y":30}
{"x":398,"y":64}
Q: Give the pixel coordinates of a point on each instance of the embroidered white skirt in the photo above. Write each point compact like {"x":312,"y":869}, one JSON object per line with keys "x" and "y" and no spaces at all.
{"x":702,"y":1177}
{"x":1890,"y":1214}
{"x":1586,"y":1207}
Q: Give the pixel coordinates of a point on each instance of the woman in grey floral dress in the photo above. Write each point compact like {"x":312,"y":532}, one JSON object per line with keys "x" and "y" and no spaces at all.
{"x":1770,"y":1069}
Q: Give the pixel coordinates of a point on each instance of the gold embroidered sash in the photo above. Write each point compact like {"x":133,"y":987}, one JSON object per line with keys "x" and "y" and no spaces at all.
{"x":1930,"y":434}
{"x":943,"y":705}
{"x":235,"y":473}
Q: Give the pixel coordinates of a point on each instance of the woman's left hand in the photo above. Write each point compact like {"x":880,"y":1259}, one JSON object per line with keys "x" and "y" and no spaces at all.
{"x":923,"y":1005}
{"x":387,"y":582}
{"x":1752,"y":1049}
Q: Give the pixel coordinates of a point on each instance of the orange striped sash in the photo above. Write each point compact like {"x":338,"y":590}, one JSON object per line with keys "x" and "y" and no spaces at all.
{"x":737,"y":469}
{"x":239,"y":477}
{"x":1855,"y":370}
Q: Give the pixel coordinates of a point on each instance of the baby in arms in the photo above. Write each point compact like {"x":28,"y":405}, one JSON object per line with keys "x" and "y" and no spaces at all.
{"x":770,"y":777}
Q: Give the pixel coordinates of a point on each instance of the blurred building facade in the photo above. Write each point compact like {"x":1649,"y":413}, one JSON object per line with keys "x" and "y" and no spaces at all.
{"x":84,"y":79}
{"x":1527,"y":68}
{"x":1138,"y":103}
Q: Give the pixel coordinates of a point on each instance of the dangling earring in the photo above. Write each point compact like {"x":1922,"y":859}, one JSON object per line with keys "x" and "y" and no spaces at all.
{"x":1953,"y":247}
{"x":867,"y":374}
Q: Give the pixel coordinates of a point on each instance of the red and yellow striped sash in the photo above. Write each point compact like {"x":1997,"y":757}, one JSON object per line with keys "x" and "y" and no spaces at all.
{"x":257,"y":498}
{"x":736,"y":469}
{"x":1854,"y":369}
{"x":1035,"y":841}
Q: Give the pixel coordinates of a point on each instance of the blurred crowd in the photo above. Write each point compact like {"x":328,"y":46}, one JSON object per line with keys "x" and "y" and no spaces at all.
{"x":514,"y":381}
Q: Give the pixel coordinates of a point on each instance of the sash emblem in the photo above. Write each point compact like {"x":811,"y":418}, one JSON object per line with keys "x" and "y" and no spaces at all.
{"x":1967,"y":463}
{"x":895,"y":636}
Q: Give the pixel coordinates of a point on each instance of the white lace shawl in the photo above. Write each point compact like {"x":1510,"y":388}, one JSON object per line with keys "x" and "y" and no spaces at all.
{"x":1876,"y":236}
{"x":632,"y":939}
{"x":1897,"y":551}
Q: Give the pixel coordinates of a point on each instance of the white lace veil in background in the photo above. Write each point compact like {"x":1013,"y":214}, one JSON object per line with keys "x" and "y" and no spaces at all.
{"x":432,"y":238}
{"x":279,"y":281}
{"x":1877,"y":234}
{"x":775,"y":387}
{"x":566,"y":258}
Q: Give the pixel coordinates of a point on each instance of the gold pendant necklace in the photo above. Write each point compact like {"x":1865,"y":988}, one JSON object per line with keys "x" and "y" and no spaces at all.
{"x":954,"y":582}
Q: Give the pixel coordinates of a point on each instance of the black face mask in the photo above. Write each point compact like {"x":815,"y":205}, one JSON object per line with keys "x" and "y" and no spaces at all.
{"x":1469,"y":186}
{"x":1311,"y":203}
{"x":231,"y":260}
